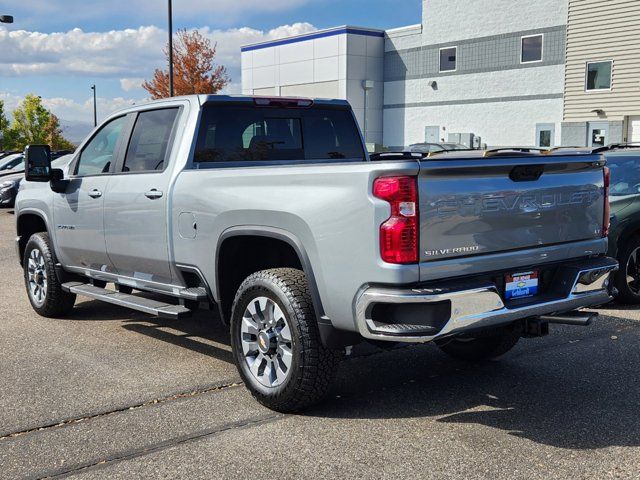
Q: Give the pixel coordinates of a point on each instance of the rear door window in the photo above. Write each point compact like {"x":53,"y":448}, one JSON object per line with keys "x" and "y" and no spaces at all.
{"x":149,"y":144}
{"x":232,"y":133}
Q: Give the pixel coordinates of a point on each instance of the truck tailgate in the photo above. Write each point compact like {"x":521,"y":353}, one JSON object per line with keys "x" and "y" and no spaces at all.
{"x":479,"y":206}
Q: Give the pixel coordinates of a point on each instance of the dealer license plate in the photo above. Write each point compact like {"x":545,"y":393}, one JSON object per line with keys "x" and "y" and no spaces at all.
{"x":521,"y":285}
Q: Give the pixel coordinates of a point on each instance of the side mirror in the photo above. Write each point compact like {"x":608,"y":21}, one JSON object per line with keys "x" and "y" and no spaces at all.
{"x":37,"y":163}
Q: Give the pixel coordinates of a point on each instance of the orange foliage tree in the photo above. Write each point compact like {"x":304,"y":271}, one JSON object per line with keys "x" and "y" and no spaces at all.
{"x":193,"y":68}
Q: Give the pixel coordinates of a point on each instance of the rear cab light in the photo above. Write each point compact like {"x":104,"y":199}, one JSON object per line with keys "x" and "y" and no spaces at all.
{"x":606,"y":217}
{"x":283,"y":102}
{"x":399,"y":233}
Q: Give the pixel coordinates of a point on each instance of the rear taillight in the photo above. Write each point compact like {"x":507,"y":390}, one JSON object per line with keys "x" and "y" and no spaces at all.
{"x":399,"y":233}
{"x":606,"y":220}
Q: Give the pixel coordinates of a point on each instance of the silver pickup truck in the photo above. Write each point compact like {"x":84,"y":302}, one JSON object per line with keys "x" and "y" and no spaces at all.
{"x":271,"y":211}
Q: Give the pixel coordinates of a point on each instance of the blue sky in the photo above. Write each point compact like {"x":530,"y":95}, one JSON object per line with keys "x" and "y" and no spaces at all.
{"x":58,"y":49}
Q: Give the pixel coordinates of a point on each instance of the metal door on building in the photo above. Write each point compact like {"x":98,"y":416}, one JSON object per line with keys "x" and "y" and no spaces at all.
{"x":598,"y":135}
{"x":633,"y":135}
{"x":432,"y":134}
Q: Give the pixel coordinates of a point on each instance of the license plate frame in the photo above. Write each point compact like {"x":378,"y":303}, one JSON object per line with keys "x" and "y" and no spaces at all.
{"x":521,"y":285}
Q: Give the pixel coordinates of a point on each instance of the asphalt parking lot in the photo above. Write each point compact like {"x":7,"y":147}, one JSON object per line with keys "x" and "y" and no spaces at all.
{"x":110,"y":393}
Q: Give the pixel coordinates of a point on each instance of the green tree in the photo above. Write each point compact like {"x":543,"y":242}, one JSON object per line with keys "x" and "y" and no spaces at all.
{"x":34,"y":124}
{"x":29,"y":121}
{"x":6,"y":134}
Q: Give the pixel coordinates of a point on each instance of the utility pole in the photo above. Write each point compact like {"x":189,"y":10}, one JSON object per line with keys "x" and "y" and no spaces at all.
{"x":95,"y":110}
{"x":170,"y":50}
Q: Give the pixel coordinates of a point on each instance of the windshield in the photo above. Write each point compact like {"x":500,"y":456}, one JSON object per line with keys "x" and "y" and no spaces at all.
{"x":11,"y":161}
{"x":425,"y":147}
{"x":454,"y":146}
{"x":19,"y":165}
{"x":62,"y":161}
{"x":625,"y":173}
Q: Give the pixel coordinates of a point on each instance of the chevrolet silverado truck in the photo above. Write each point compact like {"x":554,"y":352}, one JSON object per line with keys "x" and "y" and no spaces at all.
{"x":270,"y":211}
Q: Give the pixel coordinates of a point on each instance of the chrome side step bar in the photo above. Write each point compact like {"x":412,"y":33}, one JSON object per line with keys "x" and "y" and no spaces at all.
{"x":146,"y":305}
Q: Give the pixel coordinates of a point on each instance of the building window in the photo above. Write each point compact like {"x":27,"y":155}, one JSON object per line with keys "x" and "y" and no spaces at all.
{"x":545,"y":133}
{"x":599,"y":75}
{"x":448,"y":59}
{"x":531,"y":49}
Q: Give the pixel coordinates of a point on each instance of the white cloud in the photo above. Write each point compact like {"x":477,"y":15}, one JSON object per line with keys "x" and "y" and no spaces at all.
{"x":123,"y":54}
{"x":71,"y":110}
{"x":127,"y":56}
{"x":220,"y":11}
{"x":128,"y":84}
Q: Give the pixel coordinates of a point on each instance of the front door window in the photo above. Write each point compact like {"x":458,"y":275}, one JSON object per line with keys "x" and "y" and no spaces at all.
{"x":98,"y":155}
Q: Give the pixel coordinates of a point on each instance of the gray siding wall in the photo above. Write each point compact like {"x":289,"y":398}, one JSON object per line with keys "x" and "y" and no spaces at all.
{"x":574,"y":134}
{"x":486,"y":54}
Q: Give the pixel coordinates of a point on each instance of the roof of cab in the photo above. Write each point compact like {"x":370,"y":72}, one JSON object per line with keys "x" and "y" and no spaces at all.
{"x":251,"y":99}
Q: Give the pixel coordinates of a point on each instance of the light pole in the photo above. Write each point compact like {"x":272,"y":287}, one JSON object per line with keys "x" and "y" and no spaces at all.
{"x":95,"y":113}
{"x":170,"y":50}
{"x":6,"y":19}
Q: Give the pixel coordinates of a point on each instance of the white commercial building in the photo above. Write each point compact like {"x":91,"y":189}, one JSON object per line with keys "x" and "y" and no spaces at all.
{"x":343,"y":62}
{"x":491,"y":68}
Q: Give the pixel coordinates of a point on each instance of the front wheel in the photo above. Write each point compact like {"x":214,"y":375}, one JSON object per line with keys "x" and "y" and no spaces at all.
{"x":43,"y":288}
{"x":276,"y":342}
{"x":483,"y":345}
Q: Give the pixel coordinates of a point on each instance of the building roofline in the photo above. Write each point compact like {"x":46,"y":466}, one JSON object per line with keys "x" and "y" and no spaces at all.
{"x":328,"y":32}
{"x":401,"y":31}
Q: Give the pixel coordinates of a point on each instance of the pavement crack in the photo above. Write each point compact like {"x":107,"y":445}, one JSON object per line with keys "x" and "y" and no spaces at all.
{"x":149,"y":449}
{"x":155,"y":401}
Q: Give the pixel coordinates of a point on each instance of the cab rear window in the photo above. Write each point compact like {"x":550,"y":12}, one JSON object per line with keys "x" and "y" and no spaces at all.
{"x":232,"y":133}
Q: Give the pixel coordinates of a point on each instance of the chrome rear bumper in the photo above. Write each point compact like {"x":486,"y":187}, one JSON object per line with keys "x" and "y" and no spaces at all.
{"x":474,"y":306}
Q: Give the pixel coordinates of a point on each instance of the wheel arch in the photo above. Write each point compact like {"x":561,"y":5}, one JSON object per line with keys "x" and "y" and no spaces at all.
{"x":29,"y":222}
{"x":271,"y":234}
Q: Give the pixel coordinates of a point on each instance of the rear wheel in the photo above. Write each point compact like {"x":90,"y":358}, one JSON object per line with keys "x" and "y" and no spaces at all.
{"x":276,"y":342}
{"x":482,"y":345}
{"x":627,"y":278}
{"x":43,"y":288}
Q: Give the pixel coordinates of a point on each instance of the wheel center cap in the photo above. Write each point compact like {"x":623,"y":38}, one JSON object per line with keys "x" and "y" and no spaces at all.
{"x":265,"y":342}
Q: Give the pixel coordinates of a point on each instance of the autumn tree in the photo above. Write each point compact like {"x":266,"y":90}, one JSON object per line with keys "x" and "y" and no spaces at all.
{"x":194,"y":70}
{"x":53,"y":135}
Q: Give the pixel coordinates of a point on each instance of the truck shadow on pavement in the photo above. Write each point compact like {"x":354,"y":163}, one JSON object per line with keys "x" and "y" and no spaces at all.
{"x":203,"y":333}
{"x":576,"y":389}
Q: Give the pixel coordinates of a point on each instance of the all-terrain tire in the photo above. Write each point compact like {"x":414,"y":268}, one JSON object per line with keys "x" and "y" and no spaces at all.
{"x":483,"y":345}
{"x":50,"y":300}
{"x":629,"y":256}
{"x":313,"y":366}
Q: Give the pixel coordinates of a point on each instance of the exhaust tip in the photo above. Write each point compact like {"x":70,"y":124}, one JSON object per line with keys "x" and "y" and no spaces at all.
{"x":581,"y":319}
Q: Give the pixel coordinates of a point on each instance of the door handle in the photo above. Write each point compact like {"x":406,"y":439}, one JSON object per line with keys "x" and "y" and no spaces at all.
{"x":153,"y":194}
{"x":95,"y":193}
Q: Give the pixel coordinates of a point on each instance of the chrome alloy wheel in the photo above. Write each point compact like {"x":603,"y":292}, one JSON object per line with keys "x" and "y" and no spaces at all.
{"x":266,"y":342}
{"x":633,"y":272}
{"x":37,"y":276}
